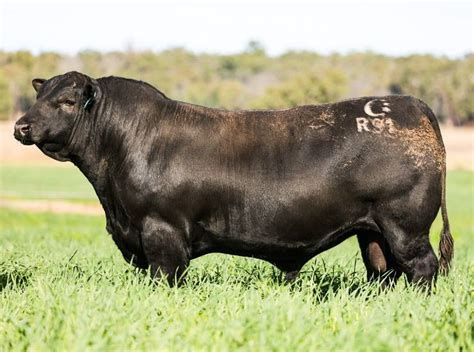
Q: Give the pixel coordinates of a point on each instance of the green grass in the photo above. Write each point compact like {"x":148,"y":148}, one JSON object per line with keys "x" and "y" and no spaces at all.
{"x":65,"y":286}
{"x":45,"y":182}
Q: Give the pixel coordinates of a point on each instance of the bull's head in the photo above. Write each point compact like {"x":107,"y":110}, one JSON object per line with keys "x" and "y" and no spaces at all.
{"x":60,"y":102}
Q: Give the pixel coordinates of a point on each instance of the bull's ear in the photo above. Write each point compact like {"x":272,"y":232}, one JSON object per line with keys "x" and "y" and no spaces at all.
{"x":89,"y":94}
{"x":37,"y":83}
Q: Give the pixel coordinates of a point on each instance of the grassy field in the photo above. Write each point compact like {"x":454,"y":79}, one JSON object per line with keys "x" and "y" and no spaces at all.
{"x":65,"y":286}
{"x":44,"y":182}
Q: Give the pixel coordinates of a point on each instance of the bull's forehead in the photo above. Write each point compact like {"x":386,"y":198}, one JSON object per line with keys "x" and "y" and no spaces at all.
{"x":62,"y":84}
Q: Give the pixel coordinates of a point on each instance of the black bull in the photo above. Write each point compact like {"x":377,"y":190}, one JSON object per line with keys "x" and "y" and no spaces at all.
{"x":178,"y":181}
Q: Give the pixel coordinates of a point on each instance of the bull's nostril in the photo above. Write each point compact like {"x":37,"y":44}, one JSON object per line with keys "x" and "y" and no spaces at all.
{"x":24,"y":129}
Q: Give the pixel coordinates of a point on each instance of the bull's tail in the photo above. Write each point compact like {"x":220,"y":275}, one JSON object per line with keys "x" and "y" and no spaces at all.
{"x":446,"y":243}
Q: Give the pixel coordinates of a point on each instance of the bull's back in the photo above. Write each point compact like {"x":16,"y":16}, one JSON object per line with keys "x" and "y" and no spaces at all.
{"x":329,"y":141}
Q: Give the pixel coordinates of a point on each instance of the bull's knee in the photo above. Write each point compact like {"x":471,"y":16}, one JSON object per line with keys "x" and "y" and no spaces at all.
{"x":165,"y":249}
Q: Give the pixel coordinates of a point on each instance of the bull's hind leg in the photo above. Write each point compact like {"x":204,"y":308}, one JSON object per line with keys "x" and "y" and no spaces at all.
{"x":378,"y":259}
{"x":412,"y":252}
{"x":405,"y":222}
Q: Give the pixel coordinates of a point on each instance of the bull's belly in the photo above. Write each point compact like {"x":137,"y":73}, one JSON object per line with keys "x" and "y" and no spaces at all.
{"x":297,"y":232}
{"x":275,"y":249}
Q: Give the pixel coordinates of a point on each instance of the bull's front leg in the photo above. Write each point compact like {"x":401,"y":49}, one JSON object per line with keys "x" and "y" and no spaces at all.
{"x":166,"y":250}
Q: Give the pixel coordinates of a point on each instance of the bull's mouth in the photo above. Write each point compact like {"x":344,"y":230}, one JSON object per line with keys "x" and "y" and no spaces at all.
{"x":25,"y":140}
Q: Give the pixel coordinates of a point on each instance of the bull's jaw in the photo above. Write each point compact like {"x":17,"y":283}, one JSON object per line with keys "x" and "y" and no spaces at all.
{"x":55,"y":151}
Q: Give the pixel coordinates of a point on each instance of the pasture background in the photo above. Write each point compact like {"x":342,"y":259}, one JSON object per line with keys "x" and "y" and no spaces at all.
{"x":254,"y":79}
{"x":65,"y":286}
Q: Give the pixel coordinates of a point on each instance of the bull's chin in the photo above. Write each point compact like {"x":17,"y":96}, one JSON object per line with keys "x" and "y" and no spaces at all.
{"x":23,"y":140}
{"x":54,"y":150}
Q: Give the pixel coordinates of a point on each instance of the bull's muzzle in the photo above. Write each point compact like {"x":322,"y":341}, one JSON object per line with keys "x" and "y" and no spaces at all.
{"x":22,"y":132}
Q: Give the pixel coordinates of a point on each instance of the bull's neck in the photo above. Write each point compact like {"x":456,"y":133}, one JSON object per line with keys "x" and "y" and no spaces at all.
{"x":85,"y":148}
{"x":101,"y":145}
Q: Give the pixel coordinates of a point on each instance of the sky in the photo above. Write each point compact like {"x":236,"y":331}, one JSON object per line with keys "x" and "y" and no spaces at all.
{"x":392,"y":28}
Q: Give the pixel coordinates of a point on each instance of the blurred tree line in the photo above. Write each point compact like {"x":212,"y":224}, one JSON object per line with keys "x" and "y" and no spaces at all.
{"x":252,"y":79}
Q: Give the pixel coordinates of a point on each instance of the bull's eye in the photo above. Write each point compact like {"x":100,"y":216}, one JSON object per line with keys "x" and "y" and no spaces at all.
{"x":69,"y":102}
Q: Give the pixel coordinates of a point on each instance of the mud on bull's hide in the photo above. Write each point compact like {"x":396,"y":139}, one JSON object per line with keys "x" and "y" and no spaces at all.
{"x":420,"y":144}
